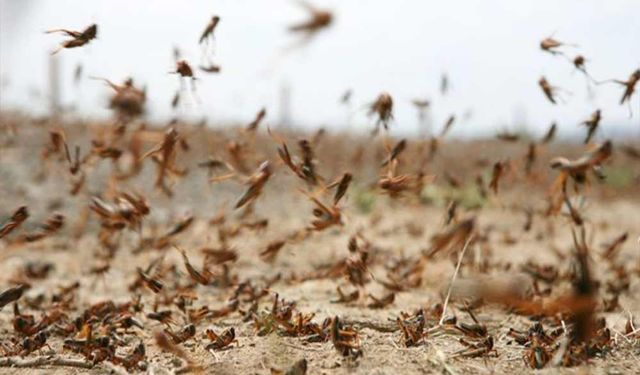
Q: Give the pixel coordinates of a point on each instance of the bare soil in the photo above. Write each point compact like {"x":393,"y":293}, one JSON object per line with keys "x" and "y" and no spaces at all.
{"x":396,"y":228}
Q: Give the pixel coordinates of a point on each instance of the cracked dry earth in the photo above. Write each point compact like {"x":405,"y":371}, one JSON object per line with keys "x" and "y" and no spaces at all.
{"x":391,"y":230}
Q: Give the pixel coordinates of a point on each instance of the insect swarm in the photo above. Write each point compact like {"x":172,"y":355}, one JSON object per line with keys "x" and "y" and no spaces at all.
{"x":134,"y":244}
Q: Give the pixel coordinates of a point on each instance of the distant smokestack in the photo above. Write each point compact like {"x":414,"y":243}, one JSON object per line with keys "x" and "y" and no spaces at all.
{"x":285,"y":105}
{"x":54,"y":85}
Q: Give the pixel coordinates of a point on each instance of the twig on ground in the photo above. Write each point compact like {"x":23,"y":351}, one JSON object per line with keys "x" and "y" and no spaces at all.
{"x":632,"y":332}
{"x":440,"y":359}
{"x":376,"y":326}
{"x":303,"y":348}
{"x":44,"y":361}
{"x":453,"y":279}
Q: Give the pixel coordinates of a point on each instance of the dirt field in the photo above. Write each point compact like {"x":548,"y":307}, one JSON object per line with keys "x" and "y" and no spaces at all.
{"x":395,"y":233}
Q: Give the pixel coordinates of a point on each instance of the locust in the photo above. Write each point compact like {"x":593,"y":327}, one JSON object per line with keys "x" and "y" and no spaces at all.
{"x":219,"y":256}
{"x":507,"y":136}
{"x":165,"y":153}
{"x":550,"y":134}
{"x":395,"y":184}
{"x":421,"y":104}
{"x":77,"y":74}
{"x":153,"y":284}
{"x":447,"y":125}
{"x":307,"y":168}
{"x":382,"y":108}
{"x":80,"y":38}
{"x":304,"y":170}
{"x":325,"y":216}
{"x":203,"y":277}
{"x":185,"y":71}
{"x":476,"y":348}
{"x":208,"y":32}
{"x":11,"y":295}
{"x":579,"y":63}
{"x":185,"y":333}
{"x":592,"y":125}
{"x":271,"y":251}
{"x":452,"y":210}
{"x":346,"y":298}
{"x":253,"y":125}
{"x":548,"y":90}
{"x":318,"y":19}
{"x":163,"y":316}
{"x":498,"y":168}
{"x":15,"y":221}
{"x":551,"y":45}
{"x":345,"y":340}
{"x":612,"y":248}
{"x":256,"y":183}
{"x":220,"y":341}
{"x":52,"y":225}
{"x":342,"y":186}
{"x":412,"y":331}
{"x":444,"y":84}
{"x":577,"y":169}
{"x":33,"y":343}
{"x":530,"y":157}
{"x":380,"y":303}
{"x":345,"y":98}
{"x":131,"y":361}
{"x":451,"y":238}
{"x":630,"y":85}
{"x":127,"y":100}
{"x":180,"y":226}
{"x":211,"y":68}
{"x":397,"y":149}
{"x":212,"y":164}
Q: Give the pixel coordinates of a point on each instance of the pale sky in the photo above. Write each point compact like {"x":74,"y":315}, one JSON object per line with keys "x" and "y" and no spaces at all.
{"x":489,"y":49}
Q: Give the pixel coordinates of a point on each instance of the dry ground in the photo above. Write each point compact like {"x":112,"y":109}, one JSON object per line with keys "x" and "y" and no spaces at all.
{"x":395,"y":227}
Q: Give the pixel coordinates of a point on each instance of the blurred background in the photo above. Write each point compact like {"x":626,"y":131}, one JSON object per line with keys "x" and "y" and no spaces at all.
{"x":489,"y":50}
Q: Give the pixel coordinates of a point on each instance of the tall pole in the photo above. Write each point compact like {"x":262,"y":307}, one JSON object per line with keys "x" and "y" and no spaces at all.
{"x":54,"y":86}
